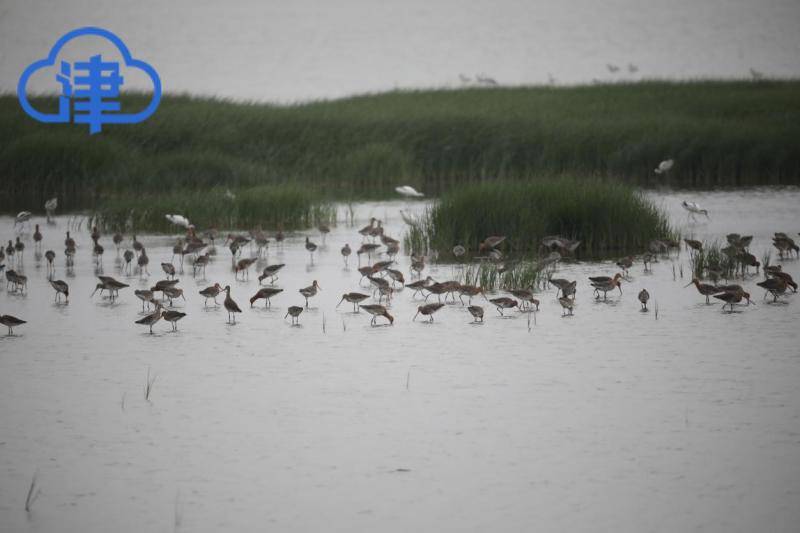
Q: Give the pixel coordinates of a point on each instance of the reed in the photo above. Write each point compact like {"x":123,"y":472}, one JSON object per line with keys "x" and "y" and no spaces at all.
{"x":721,"y":133}
{"x":518,"y":274}
{"x":289,"y":207}
{"x":607,"y":217}
{"x":712,"y":263}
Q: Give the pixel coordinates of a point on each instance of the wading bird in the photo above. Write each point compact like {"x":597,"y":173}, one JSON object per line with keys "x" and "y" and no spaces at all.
{"x":346,"y":251}
{"x":266,"y":293}
{"x":230,"y":306}
{"x":704,"y":288}
{"x":173,"y":317}
{"x":310,"y":291}
{"x":294,"y":311}
{"x":504,"y":303}
{"x":694,"y":209}
{"x":211,"y":292}
{"x":270,"y":272}
{"x":733,"y":297}
{"x":644,"y":296}
{"x":61,"y":288}
{"x":665,"y":166}
{"x":11,"y":322}
{"x":146,"y":296}
{"x":354,"y":298}
{"x":427,"y":310}
{"x":311,"y":247}
{"x":774,"y":286}
{"x":567,"y":304}
{"x":376,"y":311}
{"x":408,"y":191}
{"x":477,"y":313}
{"x":151,"y":319}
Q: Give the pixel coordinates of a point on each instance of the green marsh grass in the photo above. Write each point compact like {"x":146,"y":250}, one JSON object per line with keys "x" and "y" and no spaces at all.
{"x":721,"y":133}
{"x":712,"y":263}
{"x":286,"y":206}
{"x":607,"y":217}
{"x":521,"y":274}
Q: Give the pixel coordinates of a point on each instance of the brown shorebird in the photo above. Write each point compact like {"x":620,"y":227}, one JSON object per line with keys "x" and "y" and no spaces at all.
{"x":747,"y":259}
{"x":128,"y":257}
{"x":366,"y":272}
{"x":37,"y":238}
{"x":61,"y":288}
{"x":604,"y":284}
{"x":324,"y":229}
{"x":417,"y":264}
{"x":266,"y":293}
{"x":19,"y":248}
{"x":294,"y":311}
{"x":381,"y":266}
{"x":230,"y":305}
{"x":567,"y":304}
{"x":211,"y":292}
{"x":469,"y":291}
{"x":152,"y":318}
{"x":11,"y":322}
{"x":477,"y":312}
{"x":164,"y":283}
{"x":173,"y":293}
{"x":365,"y":231}
{"x":490,"y":243}
{"x":143,"y":261}
{"x":354,"y":298}
{"x":647,"y":258}
{"x":311,"y":247}
{"x":50,"y":255}
{"x":526,"y":297}
{"x":145,"y":296}
{"x":173,"y":317}
{"x":428,"y":310}
{"x":201,"y":262}
{"x":136,"y":245}
{"x":774,"y":286}
{"x":69,"y":242}
{"x":644,"y":296}
{"x":169,"y":269}
{"x":376,"y":311}
{"x":625,"y":263}
{"x":346,"y":251}
{"x":243,"y":266}
{"x":367,"y":248}
{"x":419,"y":286}
{"x":787,"y":278}
{"x":396,"y":276}
{"x":270,"y":272}
{"x":310,"y":291}
{"x":697,"y":246}
{"x":117,"y":239}
{"x":733,"y":297}
{"x":504,"y":303}
{"x":560,"y":284}
{"x":704,"y":288}
{"x":109,"y":284}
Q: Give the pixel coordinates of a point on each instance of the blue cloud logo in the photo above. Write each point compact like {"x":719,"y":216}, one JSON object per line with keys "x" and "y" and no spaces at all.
{"x":89,"y":88}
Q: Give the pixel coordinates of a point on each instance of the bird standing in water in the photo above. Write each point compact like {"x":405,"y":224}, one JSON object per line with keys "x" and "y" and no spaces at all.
{"x":644,"y":296}
{"x":346,"y":251}
{"x":11,"y":322}
{"x":61,"y":288}
{"x":294,"y":311}
{"x":151,"y":319}
{"x":427,"y":310}
{"x":173,"y":317}
{"x":376,"y":311}
{"x":310,"y":291}
{"x":230,"y":305}
{"x":354,"y":298}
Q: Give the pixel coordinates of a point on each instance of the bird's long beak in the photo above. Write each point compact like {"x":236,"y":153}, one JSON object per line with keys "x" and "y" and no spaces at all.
{"x":415,"y":317}
{"x":688,"y":284}
{"x":94,"y":291}
{"x":340,"y":303}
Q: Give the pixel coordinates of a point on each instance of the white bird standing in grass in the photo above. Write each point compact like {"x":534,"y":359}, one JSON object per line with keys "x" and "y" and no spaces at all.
{"x":178,"y":220}
{"x":409,"y":191}
{"x":664,"y":166}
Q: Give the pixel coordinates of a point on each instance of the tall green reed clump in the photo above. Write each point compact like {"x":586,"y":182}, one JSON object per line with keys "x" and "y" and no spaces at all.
{"x":288,"y":207}
{"x":607,"y":217}
{"x":521,"y":274}
{"x":712,"y":262}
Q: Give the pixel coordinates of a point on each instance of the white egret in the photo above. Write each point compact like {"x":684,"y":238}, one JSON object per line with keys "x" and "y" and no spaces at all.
{"x":408,"y":191}
{"x":665,"y":166}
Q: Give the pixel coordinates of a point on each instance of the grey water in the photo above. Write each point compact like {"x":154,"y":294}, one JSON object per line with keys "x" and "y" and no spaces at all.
{"x":612,"y":419}
{"x":306,"y":49}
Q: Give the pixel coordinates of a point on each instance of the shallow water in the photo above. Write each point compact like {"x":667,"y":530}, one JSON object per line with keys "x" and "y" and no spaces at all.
{"x":608,"y":420}
{"x":307,"y":49}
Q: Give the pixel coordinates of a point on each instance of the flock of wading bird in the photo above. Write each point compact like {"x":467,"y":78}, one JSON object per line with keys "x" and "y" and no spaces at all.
{"x":382,"y":278}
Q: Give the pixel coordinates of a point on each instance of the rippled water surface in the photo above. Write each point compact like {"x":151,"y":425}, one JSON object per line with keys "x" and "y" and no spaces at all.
{"x":608,"y":420}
